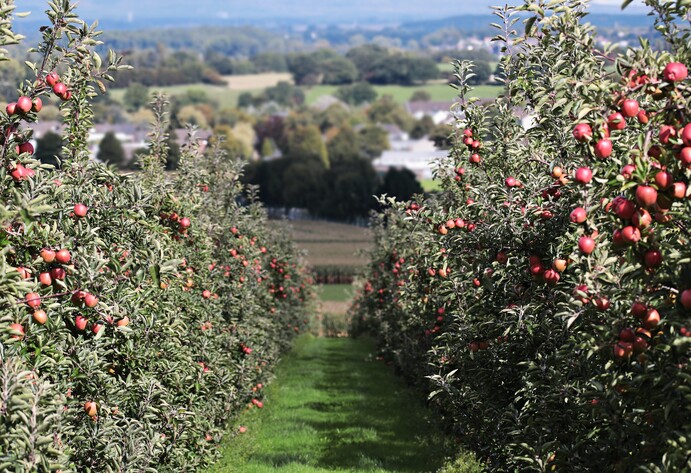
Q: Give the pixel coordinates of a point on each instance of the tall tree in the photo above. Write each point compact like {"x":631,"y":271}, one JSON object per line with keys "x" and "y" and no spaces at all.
{"x":49,"y":148}
{"x":111,"y":152}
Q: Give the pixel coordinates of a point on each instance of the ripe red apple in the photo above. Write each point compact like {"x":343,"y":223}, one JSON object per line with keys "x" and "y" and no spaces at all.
{"x":586,"y":245}
{"x":58,"y":273}
{"x":450,"y":223}
{"x":33,"y":300}
{"x":583,"y":175}
{"x":686,"y":299}
{"x":551,"y":277}
{"x":123,"y":322}
{"x":623,"y":208}
{"x":475,"y":158}
{"x":185,"y":223}
{"x":628,"y":170}
{"x":623,"y":350}
{"x":80,"y":322}
{"x":26,"y":147}
{"x":578,"y":215}
{"x":40,"y":317}
{"x":685,"y":155}
{"x":630,"y":235}
{"x":63,"y":256}
{"x":664,"y":179}
{"x":502,"y":257}
{"x":511,"y":182}
{"x":80,"y":210}
{"x":11,"y":108}
{"x":651,"y":319}
{"x":91,"y":408}
{"x":559,"y":265}
{"x":652,"y":258}
{"x":642,"y":218}
{"x":601,"y":303}
{"x":45,"y":279}
{"x":603,"y":148}
{"x":582,"y":132}
{"x":459,"y":223}
{"x":627,"y":335}
{"x":52,"y":78}
{"x":675,"y":72}
{"x":18,"y":330}
{"x":643,"y":117}
{"x":616,"y":121}
{"x":629,"y":108}
{"x":639,"y":345}
{"x":48,"y":255}
{"x":206,"y":294}
{"x":442,"y":230}
{"x":90,"y":300}
{"x":667,"y":132}
{"x":95,"y":328}
{"x":581,"y":288}
{"x":59,"y":89}
{"x":679,"y":190}
{"x":686,"y":134}
{"x":37,"y":105}
{"x":646,"y":196}
{"x":638,"y":309}
{"x":24,"y":104}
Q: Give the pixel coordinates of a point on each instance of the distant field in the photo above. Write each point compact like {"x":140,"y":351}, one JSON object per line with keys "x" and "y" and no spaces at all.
{"x":252,"y":82}
{"x":224,"y":96}
{"x":402,"y":94}
{"x":335,"y":292}
{"x":331,"y":244}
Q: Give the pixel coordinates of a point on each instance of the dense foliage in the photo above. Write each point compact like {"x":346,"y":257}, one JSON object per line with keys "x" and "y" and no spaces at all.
{"x":138,"y":314}
{"x":544,"y":296}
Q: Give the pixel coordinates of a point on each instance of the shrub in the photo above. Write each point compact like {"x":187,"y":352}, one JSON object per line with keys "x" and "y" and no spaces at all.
{"x":551,"y":339}
{"x":139,"y":314}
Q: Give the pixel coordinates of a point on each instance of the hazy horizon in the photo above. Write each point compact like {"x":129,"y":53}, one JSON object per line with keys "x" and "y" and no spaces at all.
{"x":138,"y":13}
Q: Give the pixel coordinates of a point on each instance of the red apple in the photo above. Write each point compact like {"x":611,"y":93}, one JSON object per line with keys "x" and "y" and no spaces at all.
{"x":652,"y":258}
{"x":642,"y":218}
{"x":627,"y":335}
{"x":638,"y":310}
{"x":18,"y":330}
{"x":630,"y":235}
{"x":685,"y":155}
{"x":63,"y":256}
{"x":628,"y":170}
{"x":11,"y":108}
{"x":48,"y":255}
{"x":95,"y":328}
{"x":686,"y":299}
{"x":586,"y":245}
{"x":675,"y":72}
{"x":206,"y":294}
{"x":511,"y":182}
{"x":651,"y":319}
{"x":40,"y":317}
{"x":551,"y":277}
{"x":90,"y":300}
{"x":616,"y":121}
{"x":475,"y":158}
{"x":60,"y":89}
{"x":80,"y":322}
{"x":80,"y":210}
{"x":45,"y":279}
{"x":26,"y":147}
{"x":185,"y":223}
{"x":33,"y":300}
{"x":643,"y":117}
{"x":679,"y":190}
{"x":58,"y":273}
{"x":582,"y":132}
{"x":37,"y":105}
{"x":664,"y":179}
{"x":667,"y":132}
{"x":686,"y":134}
{"x":52,"y":78}
{"x":24,"y":104}
{"x":629,"y":108}
{"x":584,"y":175}
{"x":603,"y":148}
{"x":559,"y":265}
{"x":91,"y":408}
{"x":623,"y":208}
{"x":123,"y":322}
{"x":578,"y":215}
{"x":646,"y":196}
{"x":639,"y":345}
{"x":623,"y":350}
{"x":601,"y":303}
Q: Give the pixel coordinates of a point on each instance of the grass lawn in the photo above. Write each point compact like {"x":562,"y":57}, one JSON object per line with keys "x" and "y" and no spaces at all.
{"x":430,"y":185}
{"x":335,"y":292}
{"x":224,"y":96}
{"x":334,"y":408}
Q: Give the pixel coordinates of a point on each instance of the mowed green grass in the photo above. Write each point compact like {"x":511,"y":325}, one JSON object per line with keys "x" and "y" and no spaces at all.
{"x":430,"y":185}
{"x":335,"y":292}
{"x":334,"y":408}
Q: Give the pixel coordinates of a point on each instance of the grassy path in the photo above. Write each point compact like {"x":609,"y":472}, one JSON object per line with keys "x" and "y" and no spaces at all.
{"x":333,"y":408}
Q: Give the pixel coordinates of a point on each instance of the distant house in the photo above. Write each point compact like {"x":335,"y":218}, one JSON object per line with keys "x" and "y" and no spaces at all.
{"x":419,"y":156}
{"x":440,"y":112}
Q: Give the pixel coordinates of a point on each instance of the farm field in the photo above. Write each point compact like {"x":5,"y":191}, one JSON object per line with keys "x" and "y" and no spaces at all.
{"x":253,"y":82}
{"x":334,"y":408}
{"x":330,"y":244}
{"x":402,"y":94}
{"x":226,"y":97}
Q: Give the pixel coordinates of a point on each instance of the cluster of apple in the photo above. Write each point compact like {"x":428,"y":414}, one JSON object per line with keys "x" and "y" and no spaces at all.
{"x":59,"y":88}
{"x":474,"y":145}
{"x":176,"y":222}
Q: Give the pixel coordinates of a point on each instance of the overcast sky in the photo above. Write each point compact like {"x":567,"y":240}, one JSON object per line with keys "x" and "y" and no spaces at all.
{"x":331,"y":10}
